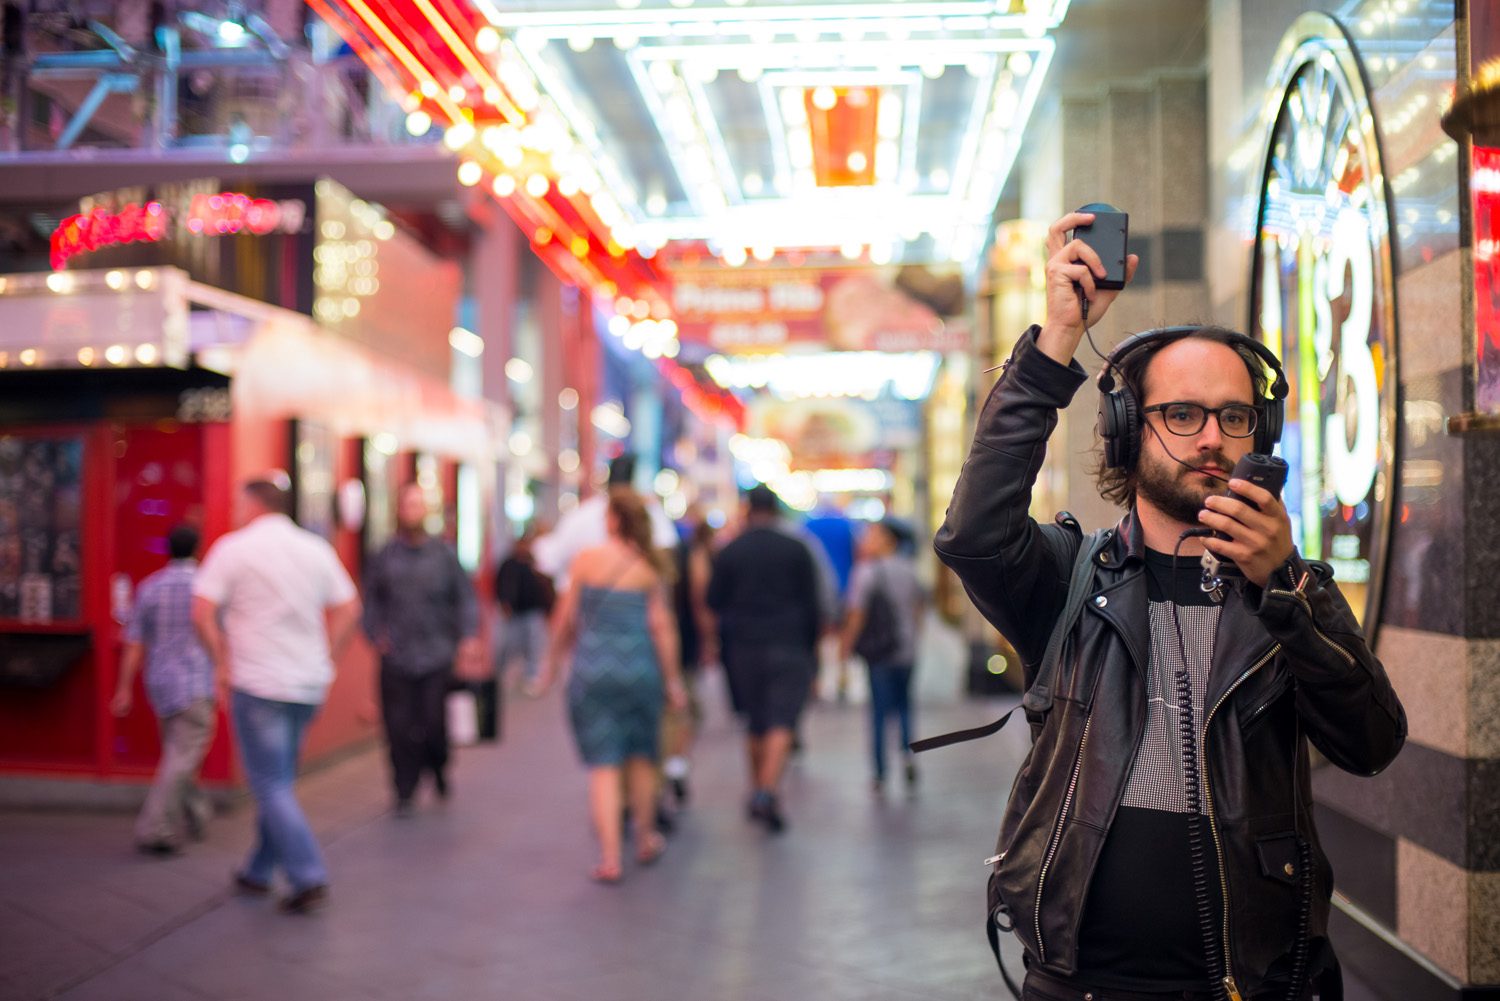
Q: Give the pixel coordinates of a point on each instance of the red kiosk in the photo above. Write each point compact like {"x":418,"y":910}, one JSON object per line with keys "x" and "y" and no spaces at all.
{"x":132,"y":398}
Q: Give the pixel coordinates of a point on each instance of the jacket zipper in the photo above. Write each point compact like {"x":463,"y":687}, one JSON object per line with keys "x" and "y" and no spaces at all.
{"x":1230,"y":986}
{"x":1057,"y":830}
{"x":1307,"y":607}
{"x":1208,"y":802}
{"x":1281,"y":688}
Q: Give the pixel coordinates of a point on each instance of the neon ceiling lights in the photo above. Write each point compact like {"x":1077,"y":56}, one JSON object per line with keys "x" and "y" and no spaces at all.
{"x":882,"y":128}
{"x":723,"y":122}
{"x":728,"y":16}
{"x":907,"y":375}
{"x":451,"y":70}
{"x":841,"y":121}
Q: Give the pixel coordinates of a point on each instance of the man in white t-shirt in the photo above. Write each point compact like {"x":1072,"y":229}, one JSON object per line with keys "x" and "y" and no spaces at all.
{"x":584,"y":527}
{"x":274,"y":605}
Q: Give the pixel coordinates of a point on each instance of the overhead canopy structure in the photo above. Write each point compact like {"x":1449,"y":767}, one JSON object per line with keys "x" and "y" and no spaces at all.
{"x":611,"y":130}
{"x":281,"y":362}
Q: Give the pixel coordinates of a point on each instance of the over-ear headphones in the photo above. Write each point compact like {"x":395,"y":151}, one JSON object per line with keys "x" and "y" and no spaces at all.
{"x":1120,"y":412}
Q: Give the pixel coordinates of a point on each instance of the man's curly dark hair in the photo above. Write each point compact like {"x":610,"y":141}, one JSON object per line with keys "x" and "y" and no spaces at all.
{"x":1118,"y":485}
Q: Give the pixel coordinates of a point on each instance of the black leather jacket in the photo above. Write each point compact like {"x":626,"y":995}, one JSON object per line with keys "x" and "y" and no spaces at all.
{"x":1289,"y":662}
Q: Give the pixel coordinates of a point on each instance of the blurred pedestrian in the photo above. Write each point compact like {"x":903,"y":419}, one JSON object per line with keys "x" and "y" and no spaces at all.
{"x":423,"y":619}
{"x":526,"y":598}
{"x":179,"y":682}
{"x":835,"y":534}
{"x":765,"y":591}
{"x":287,"y":606}
{"x":698,"y":640}
{"x":828,"y":614}
{"x":830,"y":535}
{"x":584,"y":527}
{"x":615,"y":620}
{"x":882,"y":625}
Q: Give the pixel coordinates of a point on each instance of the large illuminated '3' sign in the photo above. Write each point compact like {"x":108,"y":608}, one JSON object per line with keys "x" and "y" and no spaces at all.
{"x":1352,"y":468}
{"x":1323,"y":299}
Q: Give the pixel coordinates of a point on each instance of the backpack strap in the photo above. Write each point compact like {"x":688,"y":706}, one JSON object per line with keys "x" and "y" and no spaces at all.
{"x":1038,"y":698}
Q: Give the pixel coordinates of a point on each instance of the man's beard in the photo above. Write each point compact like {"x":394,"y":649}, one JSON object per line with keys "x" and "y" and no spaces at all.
{"x":1165,"y":484}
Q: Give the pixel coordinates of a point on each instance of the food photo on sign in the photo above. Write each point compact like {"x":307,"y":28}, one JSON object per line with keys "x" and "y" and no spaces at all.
{"x":870,"y":311}
{"x":838,"y":308}
{"x":818,"y":432}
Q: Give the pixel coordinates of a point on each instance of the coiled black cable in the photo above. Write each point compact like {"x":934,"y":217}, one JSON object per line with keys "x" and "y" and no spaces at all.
{"x":1296,"y":991}
{"x":1303,"y":942}
{"x":1197,"y":851}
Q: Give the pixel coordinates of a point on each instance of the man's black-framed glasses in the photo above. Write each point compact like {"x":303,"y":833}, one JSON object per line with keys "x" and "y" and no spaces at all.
{"x":1237,"y":420}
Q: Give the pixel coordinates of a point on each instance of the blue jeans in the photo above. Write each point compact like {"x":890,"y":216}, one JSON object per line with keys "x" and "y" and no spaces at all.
{"x":523,"y":635}
{"x":890,"y":691}
{"x":269,"y":734}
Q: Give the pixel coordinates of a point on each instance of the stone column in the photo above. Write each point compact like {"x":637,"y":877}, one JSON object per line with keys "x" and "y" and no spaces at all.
{"x":493,"y":274}
{"x":1138,"y":145}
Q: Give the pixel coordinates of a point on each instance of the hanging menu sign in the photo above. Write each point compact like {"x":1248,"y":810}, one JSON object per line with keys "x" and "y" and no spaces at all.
{"x":838,"y":309}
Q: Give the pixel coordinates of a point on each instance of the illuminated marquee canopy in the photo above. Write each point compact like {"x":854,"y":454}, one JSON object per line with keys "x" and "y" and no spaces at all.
{"x":885,"y":127}
{"x":611,"y":128}
{"x":1323,"y":299}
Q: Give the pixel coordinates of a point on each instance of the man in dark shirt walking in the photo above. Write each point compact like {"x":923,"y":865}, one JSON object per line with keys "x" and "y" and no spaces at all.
{"x":765,"y":591}
{"x":525,"y":596}
{"x":422,"y":616}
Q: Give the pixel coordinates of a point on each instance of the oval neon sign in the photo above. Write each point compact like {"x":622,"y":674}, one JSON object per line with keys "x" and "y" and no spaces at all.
{"x":1323,"y":298}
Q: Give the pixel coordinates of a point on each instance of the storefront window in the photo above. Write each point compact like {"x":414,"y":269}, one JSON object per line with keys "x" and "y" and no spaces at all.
{"x":313,"y":477}
{"x":41,"y":514}
{"x":1485,"y":187}
{"x":380,"y":513}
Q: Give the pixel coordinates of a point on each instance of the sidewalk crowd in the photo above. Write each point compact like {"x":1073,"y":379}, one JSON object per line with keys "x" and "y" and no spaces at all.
{"x":629,"y":607}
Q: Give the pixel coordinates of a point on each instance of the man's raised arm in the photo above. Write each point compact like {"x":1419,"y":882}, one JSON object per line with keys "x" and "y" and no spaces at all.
{"x":1016,"y":571}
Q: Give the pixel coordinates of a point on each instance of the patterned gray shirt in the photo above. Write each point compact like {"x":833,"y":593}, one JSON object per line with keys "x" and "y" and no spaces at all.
{"x":1156,"y":778}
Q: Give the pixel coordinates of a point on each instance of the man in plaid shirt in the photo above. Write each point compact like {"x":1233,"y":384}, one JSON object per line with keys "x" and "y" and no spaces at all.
{"x":180,"y":686}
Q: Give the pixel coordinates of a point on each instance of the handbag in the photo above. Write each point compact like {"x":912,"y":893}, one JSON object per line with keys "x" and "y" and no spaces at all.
{"x":462,"y":710}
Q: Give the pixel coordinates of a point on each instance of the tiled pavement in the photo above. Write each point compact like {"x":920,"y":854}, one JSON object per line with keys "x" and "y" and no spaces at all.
{"x":876,"y":899}
{"x":487,"y":897}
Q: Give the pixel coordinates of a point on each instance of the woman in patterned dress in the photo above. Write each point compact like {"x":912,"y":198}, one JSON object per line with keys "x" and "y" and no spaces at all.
{"x":615,"y":619}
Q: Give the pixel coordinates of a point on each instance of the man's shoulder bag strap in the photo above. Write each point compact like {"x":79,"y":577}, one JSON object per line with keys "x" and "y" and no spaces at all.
{"x":1038,"y":698}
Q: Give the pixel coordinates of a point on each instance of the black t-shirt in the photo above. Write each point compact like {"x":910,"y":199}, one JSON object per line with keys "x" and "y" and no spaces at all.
{"x":690,"y":642}
{"x":521,"y":586}
{"x":765,"y":589}
{"x":1140,"y":928}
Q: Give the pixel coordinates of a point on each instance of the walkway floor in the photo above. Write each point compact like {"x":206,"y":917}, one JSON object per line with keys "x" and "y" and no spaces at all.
{"x":865,"y":897}
{"x":487,"y":897}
